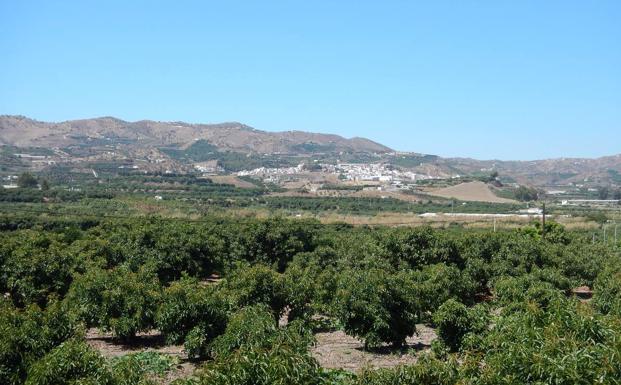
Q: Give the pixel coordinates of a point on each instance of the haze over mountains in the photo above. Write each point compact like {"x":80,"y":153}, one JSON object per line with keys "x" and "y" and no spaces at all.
{"x":146,"y":135}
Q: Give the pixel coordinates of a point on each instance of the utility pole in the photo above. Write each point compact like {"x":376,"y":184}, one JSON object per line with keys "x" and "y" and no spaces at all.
{"x":543,"y":221}
{"x":494,"y":224}
{"x":604,"y":233}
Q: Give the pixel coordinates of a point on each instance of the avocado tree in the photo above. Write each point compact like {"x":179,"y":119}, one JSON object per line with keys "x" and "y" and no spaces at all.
{"x":117,"y":300}
{"x":258,"y":284}
{"x":28,"y":334}
{"x":454,"y":320}
{"x":376,"y":306}
{"x":192,"y":313}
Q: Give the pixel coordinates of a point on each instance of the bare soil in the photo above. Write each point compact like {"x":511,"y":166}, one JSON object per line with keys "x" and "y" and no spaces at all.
{"x":471,"y":191}
{"x":337,"y":350}
{"x":231,"y":179}
{"x":109,"y":347}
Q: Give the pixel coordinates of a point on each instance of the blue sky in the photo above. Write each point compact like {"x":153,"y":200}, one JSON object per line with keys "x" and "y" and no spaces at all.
{"x":485,"y":79}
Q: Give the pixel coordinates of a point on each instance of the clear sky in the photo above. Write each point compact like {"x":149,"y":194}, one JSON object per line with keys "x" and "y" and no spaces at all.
{"x":485,"y":79}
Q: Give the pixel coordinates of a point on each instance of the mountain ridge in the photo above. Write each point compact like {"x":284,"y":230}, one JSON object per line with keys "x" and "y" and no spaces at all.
{"x":134,"y":139}
{"x":22,"y":131}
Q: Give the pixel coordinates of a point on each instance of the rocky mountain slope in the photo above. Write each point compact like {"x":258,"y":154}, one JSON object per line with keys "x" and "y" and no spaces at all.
{"x":24,"y":132}
{"x":606,"y":169}
{"x":107,"y":138}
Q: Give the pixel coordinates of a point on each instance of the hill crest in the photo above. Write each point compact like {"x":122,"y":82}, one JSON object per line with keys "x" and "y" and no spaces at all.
{"x":25,"y":132}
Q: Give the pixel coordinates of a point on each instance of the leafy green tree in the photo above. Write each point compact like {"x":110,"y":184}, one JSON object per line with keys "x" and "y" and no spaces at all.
{"x":554,"y":232}
{"x":45,"y":185}
{"x":35,"y":265}
{"x":426,"y":371}
{"x":376,"y":306}
{"x":255,"y":352}
{"x":27,"y":180}
{"x":72,"y":362}
{"x":250,"y":327}
{"x":565,"y":343}
{"x":117,"y":300}
{"x":258,"y":284}
{"x":454,"y":320}
{"x":518,"y":292}
{"x":75,"y":362}
{"x":435,"y":284}
{"x":192,"y":313}
{"x":306,"y":282}
{"x":421,"y":246}
{"x":28,"y":334}
{"x":603,"y":192}
{"x":273,"y":242}
{"x":607,"y":297}
{"x":169,"y":249}
{"x":526,"y":194}
{"x":518,"y":255}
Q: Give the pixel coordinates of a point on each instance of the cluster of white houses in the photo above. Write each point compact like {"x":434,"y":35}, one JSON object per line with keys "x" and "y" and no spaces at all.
{"x":377,"y":172}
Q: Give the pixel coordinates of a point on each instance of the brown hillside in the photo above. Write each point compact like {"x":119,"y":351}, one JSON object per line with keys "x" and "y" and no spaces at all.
{"x":24,"y":132}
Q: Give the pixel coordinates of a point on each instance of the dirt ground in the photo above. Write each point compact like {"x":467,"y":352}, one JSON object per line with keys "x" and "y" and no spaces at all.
{"x":333,"y":350}
{"x":471,"y":191}
{"x":386,"y":194}
{"x":336,"y":350}
{"x":110,"y":347}
{"x":231,"y":179}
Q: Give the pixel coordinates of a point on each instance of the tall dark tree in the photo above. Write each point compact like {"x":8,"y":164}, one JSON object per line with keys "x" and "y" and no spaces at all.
{"x":603,"y":192}
{"x":27,"y":180}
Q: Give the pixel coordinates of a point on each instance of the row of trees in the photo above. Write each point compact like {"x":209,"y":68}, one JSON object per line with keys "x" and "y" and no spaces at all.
{"x":480,"y":290}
